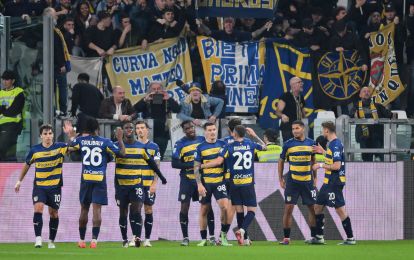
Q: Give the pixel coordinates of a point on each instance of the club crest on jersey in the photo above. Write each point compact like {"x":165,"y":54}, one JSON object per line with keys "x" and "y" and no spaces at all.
{"x":288,"y":198}
{"x":118,"y":202}
{"x":182,"y":196}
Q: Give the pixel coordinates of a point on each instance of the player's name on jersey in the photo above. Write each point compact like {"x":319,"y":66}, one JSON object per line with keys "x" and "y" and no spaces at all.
{"x":241,"y":147}
{"x":92,"y":142}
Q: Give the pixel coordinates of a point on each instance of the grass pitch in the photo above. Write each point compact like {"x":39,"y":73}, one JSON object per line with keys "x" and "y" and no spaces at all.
{"x":172,"y":250}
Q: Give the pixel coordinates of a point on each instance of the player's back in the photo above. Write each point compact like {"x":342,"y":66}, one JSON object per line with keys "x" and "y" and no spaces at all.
{"x":335,"y":153}
{"x":96,"y":152}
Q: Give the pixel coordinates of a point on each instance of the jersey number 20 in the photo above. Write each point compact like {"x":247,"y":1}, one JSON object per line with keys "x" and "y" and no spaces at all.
{"x":246,"y":157}
{"x":93,"y":156}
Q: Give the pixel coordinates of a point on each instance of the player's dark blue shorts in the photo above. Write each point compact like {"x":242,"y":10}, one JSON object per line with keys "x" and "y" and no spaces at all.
{"x":218,"y":190}
{"x":50,"y":197}
{"x":188,"y":190}
{"x":331,"y":196}
{"x":91,"y":192}
{"x":149,"y":199}
{"x":243,"y":195}
{"x":127,"y":194}
{"x":305,"y":190}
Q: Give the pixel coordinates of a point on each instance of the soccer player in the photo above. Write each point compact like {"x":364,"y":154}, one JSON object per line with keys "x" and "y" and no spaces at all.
{"x":183,"y":159}
{"x":330,"y":193}
{"x":300,"y":180}
{"x":47,"y":187}
{"x":149,"y":179}
{"x":211,"y":182}
{"x":240,"y":155}
{"x":129,"y":190}
{"x":96,"y":151}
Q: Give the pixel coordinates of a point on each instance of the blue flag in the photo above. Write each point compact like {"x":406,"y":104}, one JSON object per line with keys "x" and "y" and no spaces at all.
{"x":236,"y":8}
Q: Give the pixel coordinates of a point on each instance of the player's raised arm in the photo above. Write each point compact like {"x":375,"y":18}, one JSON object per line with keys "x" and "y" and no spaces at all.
{"x":256,"y":138}
{"x":23,"y":173}
{"x":119,"y":137}
{"x":70,"y":132}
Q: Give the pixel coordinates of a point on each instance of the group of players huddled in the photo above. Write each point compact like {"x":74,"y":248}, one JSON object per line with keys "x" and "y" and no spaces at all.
{"x":208,"y":167}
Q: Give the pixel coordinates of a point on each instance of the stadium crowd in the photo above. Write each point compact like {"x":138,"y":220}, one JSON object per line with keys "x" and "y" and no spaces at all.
{"x":98,"y":28}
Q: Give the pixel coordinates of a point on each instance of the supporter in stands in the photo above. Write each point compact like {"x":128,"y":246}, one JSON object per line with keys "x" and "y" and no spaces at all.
{"x":400,"y":33}
{"x":114,"y":8}
{"x":157,"y":104}
{"x":310,"y":36}
{"x":63,"y":10}
{"x":69,"y":33}
{"x":18,"y":8}
{"x":99,"y":39}
{"x":370,"y":136}
{"x":373,"y":25}
{"x":274,"y":150}
{"x":11,"y":113}
{"x":167,"y":28}
{"x":140,"y":14}
{"x":218,"y":90}
{"x":117,"y":107}
{"x":87,"y":98}
{"x":198,"y":106}
{"x":128,"y":36}
{"x":231,"y":35}
{"x":83,"y":20}
{"x":291,"y":107}
{"x":247,"y":24}
{"x":61,"y":58}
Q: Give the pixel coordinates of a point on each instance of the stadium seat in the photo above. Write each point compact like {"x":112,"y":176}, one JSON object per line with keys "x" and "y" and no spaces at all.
{"x":321,"y":117}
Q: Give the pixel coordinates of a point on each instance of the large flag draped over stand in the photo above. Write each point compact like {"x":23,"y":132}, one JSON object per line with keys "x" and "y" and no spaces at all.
{"x":92,"y":66}
{"x":282,"y":63}
{"x":336,"y":77}
{"x":134,"y":68}
{"x":236,"y":8}
{"x":385,"y":81}
{"x":239,"y":65}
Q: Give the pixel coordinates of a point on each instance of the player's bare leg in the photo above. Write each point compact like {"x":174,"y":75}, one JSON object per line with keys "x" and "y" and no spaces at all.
{"x":204,"y":209}
{"x":346,"y":223}
{"x":83,"y":222}
{"x":53,"y":226}
{"x":38,"y":223}
{"x":96,"y":223}
{"x":311,"y":222}
{"x":148,"y":224}
{"x":287,"y":223}
{"x":224,"y":217}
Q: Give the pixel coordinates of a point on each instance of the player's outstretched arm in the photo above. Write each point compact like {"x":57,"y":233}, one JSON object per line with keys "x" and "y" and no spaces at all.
{"x":255,"y":137}
{"x":318,"y":149}
{"x":119,"y":137}
{"x":154,"y":167}
{"x":177,"y":164}
{"x":213,"y":163}
{"x":280,"y":167}
{"x":25,"y":169}
{"x":70,"y":132}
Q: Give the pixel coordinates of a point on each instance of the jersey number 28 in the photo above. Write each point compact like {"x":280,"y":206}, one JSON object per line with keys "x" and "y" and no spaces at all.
{"x":243,"y":161}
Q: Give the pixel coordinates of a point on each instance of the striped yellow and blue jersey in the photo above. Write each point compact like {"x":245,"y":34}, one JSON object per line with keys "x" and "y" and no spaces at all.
{"x":96,"y":152}
{"x":48,"y":164}
{"x":147,"y":173}
{"x":205,"y":153}
{"x":184,"y":150}
{"x":335,"y":153}
{"x":128,"y":168}
{"x":240,"y":160}
{"x":299,"y":155}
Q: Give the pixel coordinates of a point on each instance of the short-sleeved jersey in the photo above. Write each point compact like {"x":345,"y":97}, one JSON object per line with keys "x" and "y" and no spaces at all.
{"x":96,"y":152}
{"x":228,"y":140}
{"x":240,"y":160}
{"x":335,"y":153}
{"x":299,"y":155}
{"x":128,"y":168}
{"x":48,"y":164}
{"x":205,"y":153}
{"x":184,"y":150}
{"x":147,"y":173}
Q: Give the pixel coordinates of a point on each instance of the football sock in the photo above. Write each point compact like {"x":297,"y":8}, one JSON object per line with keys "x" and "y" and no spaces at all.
{"x":313,"y":231}
{"x":240,"y":219}
{"x":348,"y":227}
{"x":95,"y":232}
{"x":320,"y":219}
{"x":137,"y":227}
{"x":53,"y":227}
{"x":38,"y":223}
{"x":225,"y":228}
{"x":286,"y":232}
{"x":203,"y":234}
{"x":248,"y":219}
{"x":82,"y":232}
{"x":123,"y":222}
{"x":148,"y":225}
{"x":184,"y":224}
{"x":210,"y":222}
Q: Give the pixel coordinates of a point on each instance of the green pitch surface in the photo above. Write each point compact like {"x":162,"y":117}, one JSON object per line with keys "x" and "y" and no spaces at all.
{"x":172,"y":250}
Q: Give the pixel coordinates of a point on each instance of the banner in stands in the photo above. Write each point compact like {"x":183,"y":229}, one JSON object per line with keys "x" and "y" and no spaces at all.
{"x":282,"y":63}
{"x":239,"y":65}
{"x":135,"y":68}
{"x":375,"y":207}
{"x":235,"y":8}
{"x":385,"y":81}
{"x":92,"y":66}
{"x":336,"y":77}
